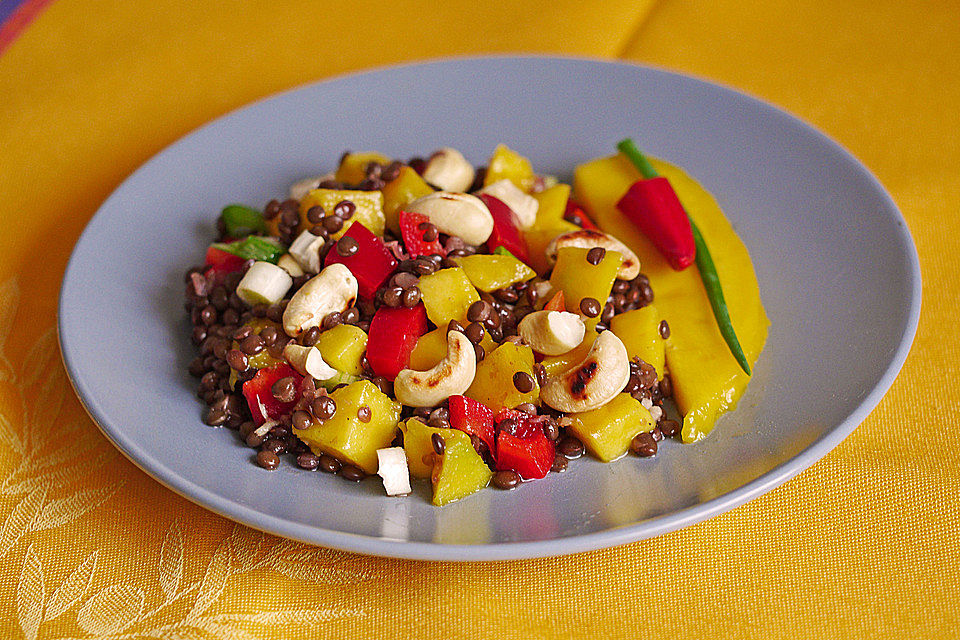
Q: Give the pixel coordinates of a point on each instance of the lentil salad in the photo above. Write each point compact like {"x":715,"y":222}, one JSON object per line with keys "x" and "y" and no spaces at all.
{"x":474,"y":320}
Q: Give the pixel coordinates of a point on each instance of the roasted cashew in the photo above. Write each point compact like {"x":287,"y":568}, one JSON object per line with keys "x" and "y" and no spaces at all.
{"x":456,"y":214}
{"x":590,"y":238}
{"x":552,"y":332}
{"x":451,"y":376}
{"x":592,"y":382}
{"x":333,"y":289}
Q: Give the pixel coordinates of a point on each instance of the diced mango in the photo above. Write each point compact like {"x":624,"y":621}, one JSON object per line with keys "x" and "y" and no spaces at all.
{"x":553,"y":204}
{"x":505,"y":163}
{"x":578,"y":279}
{"x":353,"y":167}
{"x":606,"y":431}
{"x":537,"y":241}
{"x":348,"y":438}
{"x":555,"y":365}
{"x":639,"y":330}
{"x":369,"y":208}
{"x":460,"y":471}
{"x":707,"y":381}
{"x":398,"y":193}
{"x":447,"y":294}
{"x":418,"y":447}
{"x":492,"y":272}
{"x":342,"y":347}
{"x":493,"y":383}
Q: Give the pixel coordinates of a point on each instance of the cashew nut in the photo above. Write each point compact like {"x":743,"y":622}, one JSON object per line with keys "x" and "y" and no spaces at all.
{"x":308,"y":361}
{"x":306,"y":251}
{"x":451,"y":376}
{"x":590,"y":238}
{"x":552,"y":332}
{"x":449,"y":170}
{"x":456,"y":214}
{"x":592,"y":382}
{"x":333,"y":289}
{"x":524,"y":206}
{"x":301,"y":188}
{"x":290,"y":265}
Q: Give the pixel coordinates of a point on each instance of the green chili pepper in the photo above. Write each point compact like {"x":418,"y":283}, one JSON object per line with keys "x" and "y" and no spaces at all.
{"x":254,"y":248}
{"x":241,"y":220}
{"x":503,"y":251}
{"x":704,"y":261}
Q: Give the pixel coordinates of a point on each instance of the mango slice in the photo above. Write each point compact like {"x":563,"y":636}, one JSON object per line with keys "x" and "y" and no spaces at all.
{"x":369,"y":208}
{"x":493,"y":384}
{"x":639,"y":330}
{"x":706,"y":379}
{"x":492,"y":272}
{"x":353,"y":167}
{"x":342,"y":347}
{"x":606,"y":431}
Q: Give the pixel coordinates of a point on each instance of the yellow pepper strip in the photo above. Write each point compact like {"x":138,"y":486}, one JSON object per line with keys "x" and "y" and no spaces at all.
{"x":706,"y":378}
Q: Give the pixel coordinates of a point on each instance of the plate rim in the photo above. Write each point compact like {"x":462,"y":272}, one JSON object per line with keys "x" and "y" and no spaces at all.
{"x":501,"y":551}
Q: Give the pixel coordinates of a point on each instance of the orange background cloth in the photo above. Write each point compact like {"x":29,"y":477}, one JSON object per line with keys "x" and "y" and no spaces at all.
{"x":863,"y":544}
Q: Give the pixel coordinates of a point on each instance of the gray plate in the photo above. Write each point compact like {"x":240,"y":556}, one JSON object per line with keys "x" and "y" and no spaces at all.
{"x":838,"y":273}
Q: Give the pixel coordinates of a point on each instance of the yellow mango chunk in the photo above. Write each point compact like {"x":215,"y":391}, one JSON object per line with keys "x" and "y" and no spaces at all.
{"x":342,"y":347}
{"x":348,"y":438}
{"x":491,"y":272}
{"x":447,"y":294}
{"x":537,"y":241}
{"x":460,"y":471}
{"x":578,"y":279}
{"x":353,"y":167}
{"x":398,"y":193}
{"x":606,"y":431}
{"x":431,"y":349}
{"x":369,"y":208}
{"x":707,"y":380}
{"x":639,"y":330}
{"x":418,"y":447}
{"x":505,"y":163}
{"x":553,"y":204}
{"x":493,"y":383}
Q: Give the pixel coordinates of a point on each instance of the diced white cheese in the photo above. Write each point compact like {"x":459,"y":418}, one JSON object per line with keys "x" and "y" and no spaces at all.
{"x":520,"y":203}
{"x":306,"y":251}
{"x":301,"y":188}
{"x":308,"y":361}
{"x":392,"y":467}
{"x":264,"y":283}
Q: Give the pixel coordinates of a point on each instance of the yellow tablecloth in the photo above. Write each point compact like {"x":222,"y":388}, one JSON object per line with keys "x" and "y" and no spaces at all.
{"x":864,"y":544}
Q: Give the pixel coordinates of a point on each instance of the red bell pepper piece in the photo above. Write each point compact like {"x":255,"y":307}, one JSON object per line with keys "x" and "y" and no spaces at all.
{"x":371,"y":265}
{"x":557,"y":303}
{"x":412,"y":235}
{"x":392,"y":336}
{"x":653,"y":206}
{"x":527,"y":450}
{"x":259,"y":394}
{"x":220,"y":262}
{"x":474,"y":418}
{"x":574,"y":213}
{"x":506,"y":229}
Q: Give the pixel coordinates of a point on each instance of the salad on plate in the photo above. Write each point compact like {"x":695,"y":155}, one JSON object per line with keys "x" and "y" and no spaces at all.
{"x":473,"y":326}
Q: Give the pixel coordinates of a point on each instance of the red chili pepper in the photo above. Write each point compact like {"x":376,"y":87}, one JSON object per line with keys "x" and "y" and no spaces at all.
{"x":557,"y":303}
{"x":526,"y":450}
{"x":506,"y":229}
{"x":474,"y":418}
{"x":371,"y":264}
{"x":653,"y":206}
{"x":392,"y":336}
{"x":258,"y":391}
{"x":412,"y":235}
{"x":574,"y":213}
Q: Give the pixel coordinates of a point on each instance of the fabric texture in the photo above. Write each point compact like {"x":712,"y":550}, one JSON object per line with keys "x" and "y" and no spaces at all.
{"x":863,"y":544}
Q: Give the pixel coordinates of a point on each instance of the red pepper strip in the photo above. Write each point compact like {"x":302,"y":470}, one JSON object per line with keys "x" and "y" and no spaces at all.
{"x":574,"y":213}
{"x":557,"y":303}
{"x":258,"y":391}
{"x":653,"y":206}
{"x":506,"y":229}
{"x":223,"y":262}
{"x":392,"y":336}
{"x":412,"y":235}
{"x":372,"y":263}
{"x":526,"y":450}
{"x":474,"y":418}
